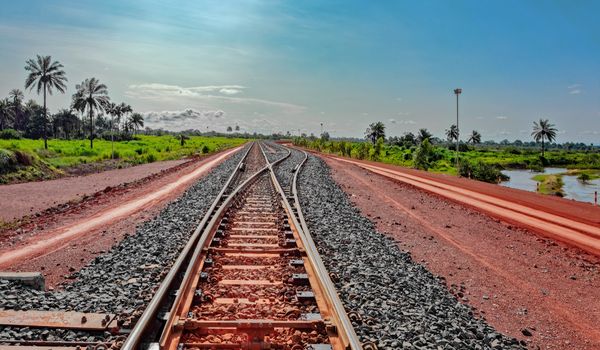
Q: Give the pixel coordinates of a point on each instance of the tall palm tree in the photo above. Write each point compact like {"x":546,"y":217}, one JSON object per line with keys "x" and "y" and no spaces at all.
{"x":92,"y":96}
{"x":452,"y":133}
{"x":423,"y":135}
{"x":46,"y":75}
{"x":543,"y":130}
{"x":137,"y":121}
{"x":6,"y":113}
{"x":475,"y":137}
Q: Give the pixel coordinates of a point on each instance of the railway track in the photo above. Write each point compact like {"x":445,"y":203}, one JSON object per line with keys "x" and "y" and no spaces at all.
{"x":249,"y":277}
{"x":255,"y":281}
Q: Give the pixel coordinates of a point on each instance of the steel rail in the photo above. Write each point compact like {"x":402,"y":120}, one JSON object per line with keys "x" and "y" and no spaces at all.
{"x":195,"y":259}
{"x":150,"y":313}
{"x":343,"y":324}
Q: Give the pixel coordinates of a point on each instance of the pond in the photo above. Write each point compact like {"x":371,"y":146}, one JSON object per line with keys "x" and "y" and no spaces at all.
{"x":573,"y":188}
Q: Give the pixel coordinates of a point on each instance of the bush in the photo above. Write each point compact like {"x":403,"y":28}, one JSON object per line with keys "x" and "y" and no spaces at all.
{"x":205,"y":149}
{"x":424,"y":156}
{"x":23,"y":158}
{"x":8,"y":161}
{"x":584,"y":177}
{"x":10,"y":134}
{"x":482,"y":171}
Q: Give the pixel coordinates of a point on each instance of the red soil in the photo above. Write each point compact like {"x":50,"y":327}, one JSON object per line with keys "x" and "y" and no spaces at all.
{"x":32,"y":197}
{"x":62,"y":241}
{"x":514,"y":278}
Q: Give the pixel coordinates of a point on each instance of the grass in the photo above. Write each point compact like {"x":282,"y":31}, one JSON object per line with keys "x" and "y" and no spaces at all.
{"x":550,"y":184}
{"x":30,"y":161}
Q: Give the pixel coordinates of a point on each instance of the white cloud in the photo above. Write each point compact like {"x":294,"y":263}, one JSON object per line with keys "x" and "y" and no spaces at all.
{"x":575,"y":89}
{"x":501,"y":117}
{"x":402,"y":121}
{"x":393,"y":121}
{"x":207,"y":94}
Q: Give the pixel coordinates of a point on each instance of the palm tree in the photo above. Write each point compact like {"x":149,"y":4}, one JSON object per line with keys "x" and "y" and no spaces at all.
{"x":6,"y":113}
{"x":46,"y":75}
{"x":92,"y":96}
{"x":137,"y":121}
{"x":423,"y":135}
{"x":543,"y":131}
{"x":475,"y":137}
{"x":17,"y":99}
{"x":375,"y":131}
{"x":452,"y":133}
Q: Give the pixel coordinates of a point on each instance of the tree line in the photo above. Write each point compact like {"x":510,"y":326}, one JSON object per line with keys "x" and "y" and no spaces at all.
{"x":91,"y":113}
{"x":543,"y":133}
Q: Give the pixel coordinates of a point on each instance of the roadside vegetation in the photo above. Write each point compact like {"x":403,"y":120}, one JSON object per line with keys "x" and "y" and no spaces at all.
{"x":92,"y":134}
{"x":26,"y":160}
{"x":478,"y":160}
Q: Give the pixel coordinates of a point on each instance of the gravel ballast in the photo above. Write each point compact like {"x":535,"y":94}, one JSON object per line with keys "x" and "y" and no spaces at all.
{"x":401,"y":303}
{"x":124,"y":278}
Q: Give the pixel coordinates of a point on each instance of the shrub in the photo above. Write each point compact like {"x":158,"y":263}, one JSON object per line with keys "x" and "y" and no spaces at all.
{"x":481,"y":171}
{"x":10,"y":134}
{"x":205,"y":149}
{"x":584,"y":177}
{"x":23,"y":158}
{"x":8,"y":161}
{"x":424,"y":155}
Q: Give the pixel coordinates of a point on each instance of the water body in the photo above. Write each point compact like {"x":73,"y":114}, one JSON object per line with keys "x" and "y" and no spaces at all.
{"x":573,"y":188}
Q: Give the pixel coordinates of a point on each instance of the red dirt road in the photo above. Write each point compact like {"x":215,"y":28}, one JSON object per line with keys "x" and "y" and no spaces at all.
{"x":548,"y":216}
{"x":512,"y":276}
{"x":32,"y":197}
{"x":61,"y":243}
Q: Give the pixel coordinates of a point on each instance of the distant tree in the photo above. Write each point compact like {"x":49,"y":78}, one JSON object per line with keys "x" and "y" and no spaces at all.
{"x":137,"y":121}
{"x":475,"y":137}
{"x":6,"y":113}
{"x":229,"y":129}
{"x":47,"y":75}
{"x":92,"y":96}
{"x":452,"y":133}
{"x":423,"y":135}
{"x":543,"y":130}
{"x":325,"y":136}
{"x":17,"y":98}
{"x":237,"y":128}
{"x":375,"y":131}
{"x":65,"y":122}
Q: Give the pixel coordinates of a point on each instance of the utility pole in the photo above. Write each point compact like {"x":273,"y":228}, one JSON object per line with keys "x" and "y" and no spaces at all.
{"x":457,"y":92}
{"x":321,"y":130}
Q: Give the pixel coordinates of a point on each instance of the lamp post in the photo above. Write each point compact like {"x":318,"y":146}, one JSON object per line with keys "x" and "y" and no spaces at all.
{"x":457,"y":92}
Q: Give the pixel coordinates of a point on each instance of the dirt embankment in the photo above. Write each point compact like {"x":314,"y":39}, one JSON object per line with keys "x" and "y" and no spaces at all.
{"x":64,"y":238}
{"x":524,"y":285}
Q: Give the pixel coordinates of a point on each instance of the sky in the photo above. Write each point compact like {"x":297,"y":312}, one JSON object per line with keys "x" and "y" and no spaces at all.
{"x":277,"y":66}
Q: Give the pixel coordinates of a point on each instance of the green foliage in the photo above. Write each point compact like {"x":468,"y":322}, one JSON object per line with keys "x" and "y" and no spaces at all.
{"x":424,"y":156}
{"x":10,"y":134}
{"x":25,"y":159}
{"x":584,"y":177}
{"x":482,"y":171}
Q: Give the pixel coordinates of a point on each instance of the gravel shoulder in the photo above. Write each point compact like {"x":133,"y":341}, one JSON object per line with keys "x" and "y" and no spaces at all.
{"x":512,"y":277}
{"x":401,"y":303}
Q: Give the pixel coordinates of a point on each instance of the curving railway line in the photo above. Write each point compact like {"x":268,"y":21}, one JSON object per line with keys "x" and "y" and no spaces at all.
{"x":250,"y":277}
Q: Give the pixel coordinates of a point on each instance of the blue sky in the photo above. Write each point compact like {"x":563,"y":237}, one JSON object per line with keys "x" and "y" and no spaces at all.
{"x":288,"y":65}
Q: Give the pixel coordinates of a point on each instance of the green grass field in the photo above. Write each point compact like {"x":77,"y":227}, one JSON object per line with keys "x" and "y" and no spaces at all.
{"x":26,"y":160}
